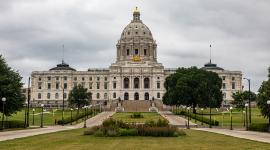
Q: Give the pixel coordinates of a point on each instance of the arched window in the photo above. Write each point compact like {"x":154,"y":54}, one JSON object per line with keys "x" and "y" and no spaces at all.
{"x":136,"y":96}
{"x":158,"y":95}
{"x":56,"y":95}
{"x":146,"y":96}
{"x":136,"y":83}
{"x":48,"y":95}
{"x":105,"y":95}
{"x":39,"y":95}
{"x":126,"y":83}
{"x":98,"y":96}
{"x":126,"y":96}
{"x":146,"y":83}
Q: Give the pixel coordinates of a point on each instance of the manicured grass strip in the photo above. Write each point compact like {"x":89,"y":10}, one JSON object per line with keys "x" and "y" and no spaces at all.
{"x":74,"y":140}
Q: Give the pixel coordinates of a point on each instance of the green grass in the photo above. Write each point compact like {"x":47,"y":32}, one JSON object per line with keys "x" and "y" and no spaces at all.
{"x":50,"y":115}
{"x":74,"y":140}
{"x":237,"y":117}
{"x":146,"y":116}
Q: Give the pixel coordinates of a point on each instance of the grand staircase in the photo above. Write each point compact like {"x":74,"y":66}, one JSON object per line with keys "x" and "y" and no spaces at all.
{"x":137,"y":105}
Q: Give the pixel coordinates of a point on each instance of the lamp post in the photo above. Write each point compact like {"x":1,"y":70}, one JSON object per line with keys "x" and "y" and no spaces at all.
{"x":188,"y":108}
{"x":33,"y":121}
{"x":231,"y":108}
{"x":246,"y":105}
{"x":25,"y":114}
{"x":63,"y":102}
{"x":202,"y":115}
{"x":210,"y":124}
{"x":71,"y":120}
{"x":268,"y":103}
{"x":41,"y":120}
{"x":28,"y":102}
{"x":249,"y":99}
{"x":244,"y":118}
{"x":3,"y":111}
{"x":84,"y":126}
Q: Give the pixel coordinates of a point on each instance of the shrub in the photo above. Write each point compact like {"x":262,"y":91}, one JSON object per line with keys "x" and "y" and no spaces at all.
{"x":128,"y":132}
{"x":136,"y":115}
{"x":159,"y":123}
{"x":13,"y":124}
{"x":261,"y":127}
{"x":158,"y":131}
{"x":92,"y":130}
{"x":200,"y":118}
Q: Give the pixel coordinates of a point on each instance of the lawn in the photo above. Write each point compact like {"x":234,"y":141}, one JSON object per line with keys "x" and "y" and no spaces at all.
{"x":50,"y":116}
{"x":146,"y":116}
{"x":74,"y":140}
{"x":237,"y":117}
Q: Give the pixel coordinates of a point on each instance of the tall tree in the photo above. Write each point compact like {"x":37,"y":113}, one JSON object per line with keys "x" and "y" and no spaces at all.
{"x":10,"y":88}
{"x":192,"y":87}
{"x":240,"y":98}
{"x":78,"y":96}
{"x":264,"y":96}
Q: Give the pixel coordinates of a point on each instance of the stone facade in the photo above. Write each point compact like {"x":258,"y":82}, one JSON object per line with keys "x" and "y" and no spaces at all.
{"x":136,"y":74}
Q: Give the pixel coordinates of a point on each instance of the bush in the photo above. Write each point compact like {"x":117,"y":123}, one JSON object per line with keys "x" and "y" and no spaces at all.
{"x":13,"y":124}
{"x":136,"y":115}
{"x":261,"y":127}
{"x":128,"y":132}
{"x":75,"y":117}
{"x":200,"y":118}
{"x":91,"y":131}
{"x":157,"y":131}
{"x":159,"y":123}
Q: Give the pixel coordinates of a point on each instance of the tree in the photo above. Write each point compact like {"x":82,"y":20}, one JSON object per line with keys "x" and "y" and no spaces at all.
{"x":79,"y":97}
{"x":10,"y":88}
{"x":192,"y":87}
{"x":263,"y":96}
{"x":240,"y":98}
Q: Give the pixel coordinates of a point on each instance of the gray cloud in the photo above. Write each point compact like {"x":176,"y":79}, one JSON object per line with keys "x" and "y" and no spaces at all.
{"x":32,"y":33}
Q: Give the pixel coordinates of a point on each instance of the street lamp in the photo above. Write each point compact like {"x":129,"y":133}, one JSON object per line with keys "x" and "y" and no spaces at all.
{"x":188,"y":108}
{"x":41,"y":120}
{"x":246,"y":105}
{"x":244,"y":118}
{"x":71,"y":120}
{"x":3,"y":111}
{"x":202,"y":115}
{"x":33,"y":122}
{"x":231,"y":108}
{"x":25,"y":114}
{"x":249,"y":99}
{"x":268,"y":103}
{"x":84,"y":126}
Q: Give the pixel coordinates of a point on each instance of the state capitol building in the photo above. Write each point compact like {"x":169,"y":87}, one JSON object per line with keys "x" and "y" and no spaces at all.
{"x":135,"y":75}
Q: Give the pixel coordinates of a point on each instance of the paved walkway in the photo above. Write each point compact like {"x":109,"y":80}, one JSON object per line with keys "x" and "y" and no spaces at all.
{"x":251,"y":135}
{"x":96,"y":120}
{"x":176,"y":120}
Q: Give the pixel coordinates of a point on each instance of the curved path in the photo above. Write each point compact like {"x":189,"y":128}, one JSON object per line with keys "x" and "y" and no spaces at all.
{"x":96,"y":120}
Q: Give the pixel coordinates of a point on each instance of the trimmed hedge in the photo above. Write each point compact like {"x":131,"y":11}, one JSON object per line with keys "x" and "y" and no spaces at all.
{"x":261,"y":127}
{"x":199,"y":118}
{"x":75,"y":117}
{"x":13,"y":124}
{"x":136,"y":115}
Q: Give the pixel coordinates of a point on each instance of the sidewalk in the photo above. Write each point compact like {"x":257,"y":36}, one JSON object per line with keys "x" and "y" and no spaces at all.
{"x":176,"y":120}
{"x":250,"y":135}
{"x":96,"y":120}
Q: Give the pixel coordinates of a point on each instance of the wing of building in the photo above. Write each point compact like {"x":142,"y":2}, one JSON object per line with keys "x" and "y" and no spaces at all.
{"x":135,"y":75}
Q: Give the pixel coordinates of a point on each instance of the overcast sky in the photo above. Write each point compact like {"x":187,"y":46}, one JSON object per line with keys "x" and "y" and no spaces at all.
{"x":32,"y":33}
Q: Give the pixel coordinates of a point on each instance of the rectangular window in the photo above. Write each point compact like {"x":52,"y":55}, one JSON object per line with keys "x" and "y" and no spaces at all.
{"x":233,"y":78}
{"x":82,"y":78}
{"x":83,"y":84}
{"x":49,"y":78}
{"x":65,"y":85}
{"x":90,"y":78}
{"x":65,"y":78}
{"x":145,"y":52}
{"x":224,"y":85}
{"x":136,"y":51}
{"x":105,"y":78}
{"x":90,"y":85}
{"x":57,"y":78}
{"x":75,"y":78}
{"x":40,"y":85}
{"x":98,"y":78}
{"x":158,"y":85}
{"x":65,"y":95}
{"x":98,"y":85}
{"x":114,"y":95}
{"x":127,"y":52}
{"x":49,"y":86}
{"x":39,"y":95}
{"x":233,"y":85}
{"x":48,"y":95}
{"x":74,"y":84}
{"x":114,"y":85}
{"x":57,"y":86}
{"x":105,"y":85}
